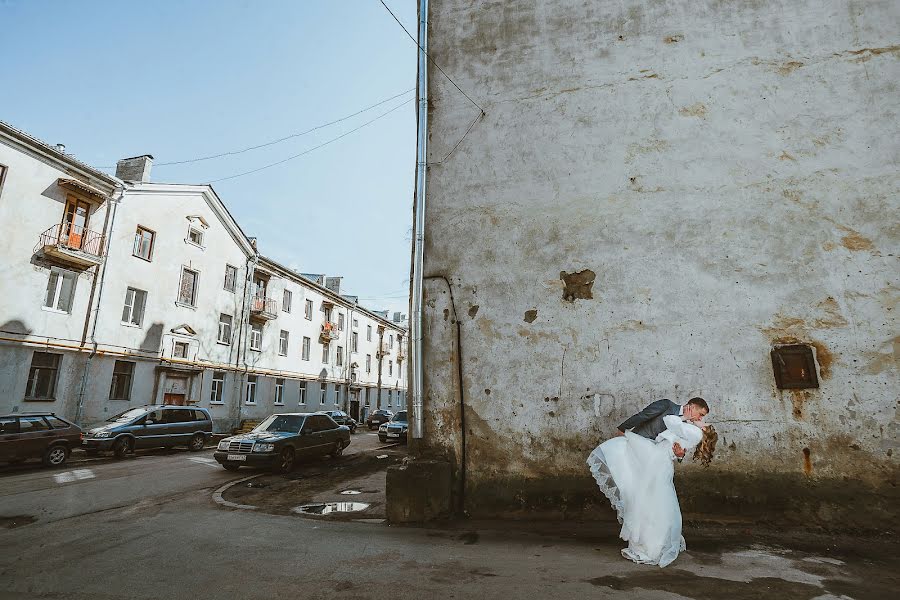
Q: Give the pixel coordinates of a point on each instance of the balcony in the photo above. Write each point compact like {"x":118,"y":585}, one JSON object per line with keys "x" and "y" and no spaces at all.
{"x":329,"y":332}
{"x":264,"y":309}
{"x":73,"y":245}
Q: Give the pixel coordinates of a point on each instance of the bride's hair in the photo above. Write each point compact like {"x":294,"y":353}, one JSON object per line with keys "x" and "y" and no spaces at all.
{"x":707,"y":446}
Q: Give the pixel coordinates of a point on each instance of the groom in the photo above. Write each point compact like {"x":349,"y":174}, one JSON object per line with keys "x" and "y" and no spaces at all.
{"x":649,"y":422}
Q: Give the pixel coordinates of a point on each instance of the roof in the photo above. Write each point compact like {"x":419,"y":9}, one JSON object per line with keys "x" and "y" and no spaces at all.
{"x":53,"y":152}
{"x":82,"y":187}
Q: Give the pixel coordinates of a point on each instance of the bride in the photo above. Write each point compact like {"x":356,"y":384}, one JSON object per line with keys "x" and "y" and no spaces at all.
{"x":635,"y":473}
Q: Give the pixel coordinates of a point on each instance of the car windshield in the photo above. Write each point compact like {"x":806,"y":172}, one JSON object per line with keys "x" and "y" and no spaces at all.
{"x":400,"y":416}
{"x":128,"y":415}
{"x":286,"y":423}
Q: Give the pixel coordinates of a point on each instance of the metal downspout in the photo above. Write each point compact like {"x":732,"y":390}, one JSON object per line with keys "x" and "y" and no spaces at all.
{"x":415,"y":322}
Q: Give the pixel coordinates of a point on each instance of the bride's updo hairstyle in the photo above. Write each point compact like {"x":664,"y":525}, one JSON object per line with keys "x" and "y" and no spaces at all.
{"x":707,"y":446}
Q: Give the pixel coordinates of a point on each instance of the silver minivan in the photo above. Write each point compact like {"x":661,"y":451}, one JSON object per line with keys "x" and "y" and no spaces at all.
{"x":154,"y":426}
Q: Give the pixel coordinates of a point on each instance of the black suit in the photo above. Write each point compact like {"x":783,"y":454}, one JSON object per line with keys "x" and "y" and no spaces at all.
{"x":649,"y":422}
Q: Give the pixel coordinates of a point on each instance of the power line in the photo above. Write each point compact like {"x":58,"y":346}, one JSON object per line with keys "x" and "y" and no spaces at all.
{"x":429,"y":57}
{"x":281,"y":139}
{"x":343,"y":135}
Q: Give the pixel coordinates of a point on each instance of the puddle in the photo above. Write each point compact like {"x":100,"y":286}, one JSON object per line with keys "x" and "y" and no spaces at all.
{"x":16,"y":521}
{"x":382,"y":456}
{"x":327,"y":508}
{"x":350,"y":492}
{"x":256,"y":485}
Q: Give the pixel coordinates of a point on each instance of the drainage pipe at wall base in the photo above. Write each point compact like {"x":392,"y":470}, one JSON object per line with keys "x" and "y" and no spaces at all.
{"x":415,"y":322}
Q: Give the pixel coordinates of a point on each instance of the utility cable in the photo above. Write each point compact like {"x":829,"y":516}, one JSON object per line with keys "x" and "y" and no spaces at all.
{"x":343,"y":135}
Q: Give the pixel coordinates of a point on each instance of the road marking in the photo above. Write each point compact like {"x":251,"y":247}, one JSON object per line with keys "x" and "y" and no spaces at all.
{"x":77,"y":474}
{"x":209,"y":462}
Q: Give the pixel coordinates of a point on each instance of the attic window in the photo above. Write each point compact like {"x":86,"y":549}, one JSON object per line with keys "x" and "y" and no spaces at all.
{"x":195,"y":236}
{"x":794,"y":367}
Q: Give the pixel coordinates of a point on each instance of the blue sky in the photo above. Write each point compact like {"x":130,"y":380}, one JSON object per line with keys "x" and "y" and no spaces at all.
{"x":190,"y":78}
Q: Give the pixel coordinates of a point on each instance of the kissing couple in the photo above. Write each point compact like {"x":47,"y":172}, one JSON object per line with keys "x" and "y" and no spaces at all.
{"x":634,"y":470}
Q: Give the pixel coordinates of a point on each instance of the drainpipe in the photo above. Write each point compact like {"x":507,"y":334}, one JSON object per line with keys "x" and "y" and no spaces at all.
{"x":245,"y":326}
{"x":108,"y":226}
{"x":415,"y":322}
{"x":380,"y":356}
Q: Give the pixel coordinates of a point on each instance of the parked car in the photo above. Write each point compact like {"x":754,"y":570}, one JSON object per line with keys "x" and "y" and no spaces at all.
{"x":378,"y":417}
{"x":37,"y":435}
{"x":394,"y":430}
{"x":281,"y":439}
{"x":342,"y":418}
{"x":153,"y":426}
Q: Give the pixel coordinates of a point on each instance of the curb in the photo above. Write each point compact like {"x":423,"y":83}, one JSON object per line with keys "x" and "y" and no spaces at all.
{"x":217,"y":495}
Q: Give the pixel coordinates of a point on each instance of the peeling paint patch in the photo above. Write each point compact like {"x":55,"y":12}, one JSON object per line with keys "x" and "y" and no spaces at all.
{"x":855,"y":241}
{"x":673,"y":39}
{"x":786,"y":156}
{"x":473,"y":310}
{"x":789,"y":67}
{"x":578,"y":285}
{"x":866,"y":54}
{"x":824,"y":357}
{"x":698,"y":109}
{"x":530,"y":316}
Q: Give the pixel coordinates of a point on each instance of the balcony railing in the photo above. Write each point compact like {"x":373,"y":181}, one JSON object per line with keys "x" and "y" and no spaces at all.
{"x":263,"y":308}
{"x":329,"y":332}
{"x":73,"y":244}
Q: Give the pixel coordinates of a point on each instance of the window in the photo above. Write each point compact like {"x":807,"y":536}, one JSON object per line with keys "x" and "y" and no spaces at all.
{"x":368,"y":333}
{"x":304,"y":354}
{"x":250,"y":390}
{"x":390,"y":397}
{"x":339,"y":356}
{"x":323,"y":387}
{"x":308,"y":310}
{"x":195,"y":236}
{"x":8,"y":424}
{"x":143,"y":243}
{"x":218,"y":388}
{"x":340,"y":321}
{"x":390,"y":368}
{"x":60,"y":290}
{"x":135,"y":301}
{"x":255,"y":337}
{"x":279,"y":391}
{"x":301,"y":393}
{"x":180,"y":350}
{"x":354,"y":342}
{"x":120,"y":386}
{"x":337,"y":395}
{"x":286,"y":301}
{"x":391,"y":341}
{"x":368,"y":363}
{"x":225,"y":322}
{"x":325,"y":353}
{"x":27,"y":424}
{"x":187,"y":291}
{"x":283,"y":343}
{"x":230,"y":278}
{"x":326,"y":311}
{"x":57,"y":423}
{"x":42,"y":376}
{"x":355,"y":323}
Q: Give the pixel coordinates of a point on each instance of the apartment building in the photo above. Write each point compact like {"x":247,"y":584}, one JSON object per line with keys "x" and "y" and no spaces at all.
{"x":169,"y":302}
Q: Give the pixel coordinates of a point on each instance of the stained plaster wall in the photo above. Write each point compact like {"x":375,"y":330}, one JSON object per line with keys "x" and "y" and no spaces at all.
{"x":728,"y":172}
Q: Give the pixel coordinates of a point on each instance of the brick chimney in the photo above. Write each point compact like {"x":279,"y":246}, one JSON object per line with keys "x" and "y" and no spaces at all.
{"x":134,"y":169}
{"x":333,"y":284}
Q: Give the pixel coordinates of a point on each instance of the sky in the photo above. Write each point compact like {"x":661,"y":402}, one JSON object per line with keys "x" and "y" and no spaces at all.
{"x":192,"y":78}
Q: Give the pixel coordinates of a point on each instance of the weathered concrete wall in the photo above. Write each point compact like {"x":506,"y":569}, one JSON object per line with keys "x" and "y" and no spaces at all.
{"x":728,"y":170}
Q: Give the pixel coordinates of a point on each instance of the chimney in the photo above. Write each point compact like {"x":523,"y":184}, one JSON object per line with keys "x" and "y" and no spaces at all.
{"x":333,"y":284}
{"x":134,"y":169}
{"x":398,"y":317}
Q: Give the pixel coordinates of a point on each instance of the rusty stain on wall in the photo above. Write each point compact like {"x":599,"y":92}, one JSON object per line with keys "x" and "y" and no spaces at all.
{"x":578,"y":285}
{"x":698,"y":109}
{"x":673,"y":39}
{"x":807,"y":462}
{"x":788,"y":67}
{"x":854,"y":241}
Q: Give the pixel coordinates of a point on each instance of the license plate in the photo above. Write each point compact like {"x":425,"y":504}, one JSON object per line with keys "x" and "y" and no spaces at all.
{"x":240,"y":457}
{"x":393,"y":435}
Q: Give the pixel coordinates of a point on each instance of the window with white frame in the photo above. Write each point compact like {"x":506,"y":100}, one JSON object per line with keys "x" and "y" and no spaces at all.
{"x":308,"y":310}
{"x":42,"y":376}
{"x":301,"y":393}
{"x":195,"y":236}
{"x":339,"y":356}
{"x":283,"y":343}
{"x":390,"y":368}
{"x":323,"y":390}
{"x":304,"y":352}
{"x":250,"y":390}
{"x":120,"y":386}
{"x":391,"y":341}
{"x":225,"y":322}
{"x":368,"y":333}
{"x":340,"y":321}
{"x":255,"y":336}
{"x":325,"y":353}
{"x":337,"y":395}
{"x":135,"y":302}
{"x":143,"y":243}
{"x":368,"y":363}
{"x":230,"y":278}
{"x":326,"y":311}
{"x":286,"y":301}
{"x":180,"y":350}
{"x":355,"y":323}
{"x":217,"y":390}
{"x":60,"y":290}
{"x":187,"y":288}
{"x":279,"y":391}
{"x":390,"y":397}
{"x":354,"y":342}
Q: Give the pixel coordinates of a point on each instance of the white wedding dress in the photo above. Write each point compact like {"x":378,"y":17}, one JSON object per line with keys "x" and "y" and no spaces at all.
{"x":635,"y":473}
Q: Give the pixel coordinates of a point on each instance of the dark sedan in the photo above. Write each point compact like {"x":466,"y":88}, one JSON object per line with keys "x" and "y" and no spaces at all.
{"x":394,"y":430}
{"x":37,"y":435}
{"x":378,"y":417}
{"x":342,"y":418}
{"x":282,"y":439}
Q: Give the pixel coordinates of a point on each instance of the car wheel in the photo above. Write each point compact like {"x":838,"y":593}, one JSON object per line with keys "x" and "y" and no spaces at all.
{"x":231,"y":466}
{"x":286,"y":460}
{"x":197,"y":442}
{"x":56,"y":456}
{"x":338,"y":450}
{"x":123,"y":446}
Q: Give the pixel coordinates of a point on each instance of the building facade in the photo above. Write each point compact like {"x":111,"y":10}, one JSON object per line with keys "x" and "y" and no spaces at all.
{"x":168,"y":301}
{"x":664,"y":200}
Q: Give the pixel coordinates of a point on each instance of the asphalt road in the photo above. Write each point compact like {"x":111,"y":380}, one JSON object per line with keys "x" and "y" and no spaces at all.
{"x":147,"y":528}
